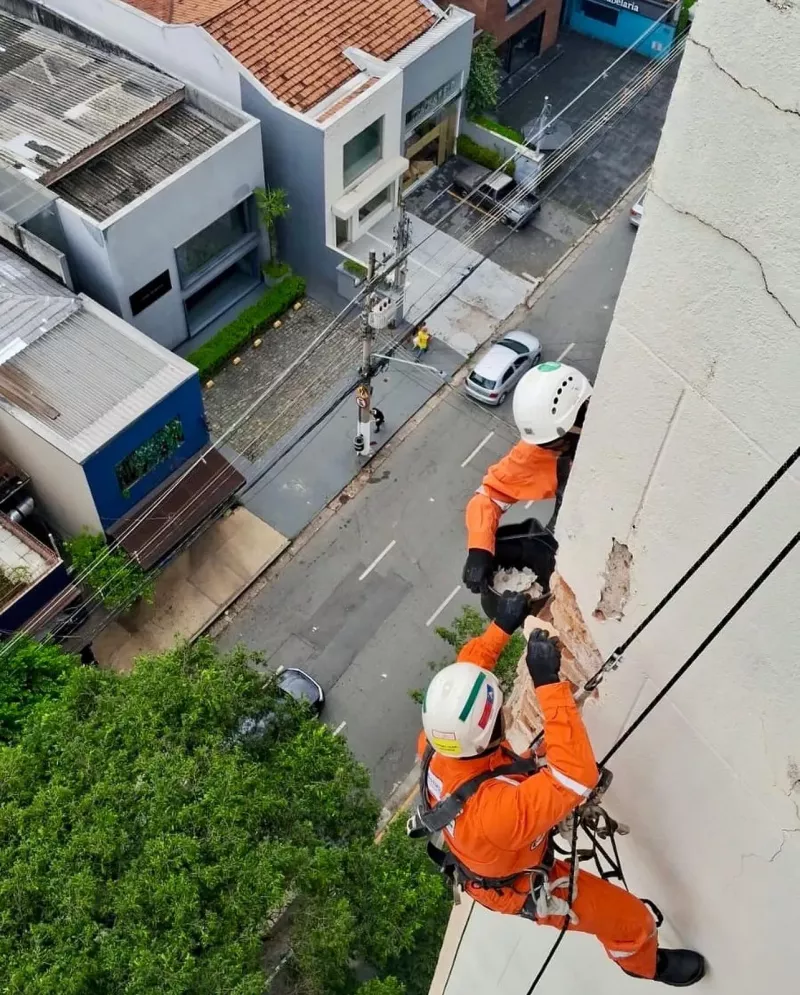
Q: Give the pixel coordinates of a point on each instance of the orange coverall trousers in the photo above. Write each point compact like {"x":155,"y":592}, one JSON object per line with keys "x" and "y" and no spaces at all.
{"x":503,"y":827}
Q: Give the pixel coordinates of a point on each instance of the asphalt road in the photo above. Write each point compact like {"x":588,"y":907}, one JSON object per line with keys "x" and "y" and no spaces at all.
{"x":358,"y":606}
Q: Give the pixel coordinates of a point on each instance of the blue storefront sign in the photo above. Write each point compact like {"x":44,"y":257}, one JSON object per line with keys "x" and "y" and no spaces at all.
{"x":648,"y":25}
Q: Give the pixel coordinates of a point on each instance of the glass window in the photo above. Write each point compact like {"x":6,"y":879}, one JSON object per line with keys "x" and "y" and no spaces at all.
{"x":204,"y":247}
{"x":149,"y":454}
{"x":377,"y":201}
{"x":514,"y":346}
{"x":342,"y":231}
{"x":221,"y":292}
{"x":599,"y":13}
{"x":482,"y":381}
{"x":362,"y":151}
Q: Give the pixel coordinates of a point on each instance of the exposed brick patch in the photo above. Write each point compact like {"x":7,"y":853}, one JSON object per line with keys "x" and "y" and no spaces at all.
{"x":616,"y":583}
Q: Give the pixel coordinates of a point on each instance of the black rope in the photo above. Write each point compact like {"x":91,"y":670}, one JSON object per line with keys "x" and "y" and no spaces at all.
{"x":757,"y":497}
{"x":593,"y":681}
{"x":703,"y":645}
{"x":751,"y":590}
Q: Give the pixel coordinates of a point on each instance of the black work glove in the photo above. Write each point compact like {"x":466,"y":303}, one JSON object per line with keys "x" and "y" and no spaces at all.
{"x":511,"y":611}
{"x":543,"y":658}
{"x":478,"y":570}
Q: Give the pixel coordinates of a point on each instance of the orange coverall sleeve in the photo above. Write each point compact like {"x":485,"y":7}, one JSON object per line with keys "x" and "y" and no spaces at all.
{"x":485,"y":649}
{"x":514,"y":816}
{"x":525,"y":473}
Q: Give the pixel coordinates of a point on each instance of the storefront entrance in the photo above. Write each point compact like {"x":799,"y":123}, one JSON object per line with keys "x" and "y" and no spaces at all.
{"x":523,"y":46}
{"x":430,"y":143}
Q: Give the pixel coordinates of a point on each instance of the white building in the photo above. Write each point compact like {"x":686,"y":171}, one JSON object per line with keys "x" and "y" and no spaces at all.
{"x":697,"y":404}
{"x":342,"y":91}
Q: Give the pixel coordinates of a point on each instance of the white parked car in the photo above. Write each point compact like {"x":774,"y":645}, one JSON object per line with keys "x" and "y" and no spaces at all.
{"x":637,"y":211}
{"x":496,"y":374}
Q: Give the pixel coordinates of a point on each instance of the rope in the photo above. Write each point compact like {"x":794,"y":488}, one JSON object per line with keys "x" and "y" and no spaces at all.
{"x":718,"y":628}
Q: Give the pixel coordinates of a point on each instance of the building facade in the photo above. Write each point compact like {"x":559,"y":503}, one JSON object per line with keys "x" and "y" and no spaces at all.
{"x":147,"y":183}
{"x":702,"y":358}
{"x":342,"y":93}
{"x":100,"y":417}
{"x":648,"y":25}
{"x":523,"y":28}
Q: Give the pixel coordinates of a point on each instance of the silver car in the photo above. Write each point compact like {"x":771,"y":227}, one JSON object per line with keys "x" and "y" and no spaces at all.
{"x":497,"y":373}
{"x":637,"y":212}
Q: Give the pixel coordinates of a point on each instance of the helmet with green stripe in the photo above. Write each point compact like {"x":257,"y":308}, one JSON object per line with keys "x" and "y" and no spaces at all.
{"x":460,"y":710}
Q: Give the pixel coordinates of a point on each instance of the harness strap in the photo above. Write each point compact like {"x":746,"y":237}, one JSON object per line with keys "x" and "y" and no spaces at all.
{"x":430,"y":819}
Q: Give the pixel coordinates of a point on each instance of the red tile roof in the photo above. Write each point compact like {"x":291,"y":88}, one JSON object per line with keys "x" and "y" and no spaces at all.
{"x":295,"y":47}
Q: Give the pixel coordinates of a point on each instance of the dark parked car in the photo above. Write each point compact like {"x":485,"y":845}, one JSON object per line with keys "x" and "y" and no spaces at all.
{"x":295,"y":684}
{"x":492,"y":191}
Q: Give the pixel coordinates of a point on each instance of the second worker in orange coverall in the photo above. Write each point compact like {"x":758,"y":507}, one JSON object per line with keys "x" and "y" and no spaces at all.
{"x":497,"y":811}
{"x":549,"y":405}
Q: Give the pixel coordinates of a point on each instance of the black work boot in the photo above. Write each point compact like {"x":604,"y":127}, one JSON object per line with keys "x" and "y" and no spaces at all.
{"x":679,"y":968}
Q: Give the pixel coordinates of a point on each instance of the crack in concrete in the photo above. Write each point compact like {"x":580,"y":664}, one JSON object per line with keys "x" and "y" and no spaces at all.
{"x":742,"y":86}
{"x":731,"y":238}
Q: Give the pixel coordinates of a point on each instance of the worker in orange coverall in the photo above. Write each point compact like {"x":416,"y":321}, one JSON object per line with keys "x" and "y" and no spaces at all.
{"x":498,"y":831}
{"x":549,"y":406}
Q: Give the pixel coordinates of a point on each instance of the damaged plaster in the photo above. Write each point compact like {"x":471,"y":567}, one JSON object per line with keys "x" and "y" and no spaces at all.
{"x":616,"y":583}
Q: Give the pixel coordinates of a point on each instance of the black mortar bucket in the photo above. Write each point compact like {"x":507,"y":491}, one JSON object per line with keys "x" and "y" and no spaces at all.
{"x":527,"y":544}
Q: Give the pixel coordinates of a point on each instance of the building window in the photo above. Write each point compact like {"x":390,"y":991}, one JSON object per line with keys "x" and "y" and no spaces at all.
{"x":362,"y":151}
{"x":515,"y":6}
{"x":221,"y":292}
{"x":377,"y":201}
{"x":599,"y":13}
{"x":220,"y":236}
{"x":342,"y":231}
{"x":150,"y":292}
{"x":149,"y":454}
{"x":432,"y":102}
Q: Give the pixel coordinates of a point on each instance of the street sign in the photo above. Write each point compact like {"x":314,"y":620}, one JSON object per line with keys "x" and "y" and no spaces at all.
{"x":362,"y":396}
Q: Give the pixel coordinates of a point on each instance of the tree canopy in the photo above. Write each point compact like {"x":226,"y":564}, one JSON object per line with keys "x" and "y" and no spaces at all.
{"x":145,"y":844}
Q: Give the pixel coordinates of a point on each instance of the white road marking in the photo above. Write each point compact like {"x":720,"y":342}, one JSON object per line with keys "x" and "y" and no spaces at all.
{"x":528,"y":504}
{"x":569,"y":349}
{"x":442,"y":606}
{"x":477,"y":449}
{"x":378,"y":559}
{"x":531,"y":279}
{"x":339,"y":728}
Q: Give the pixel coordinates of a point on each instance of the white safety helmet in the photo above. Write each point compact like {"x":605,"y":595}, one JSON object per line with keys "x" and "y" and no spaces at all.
{"x":460,"y":709}
{"x":547,"y":401}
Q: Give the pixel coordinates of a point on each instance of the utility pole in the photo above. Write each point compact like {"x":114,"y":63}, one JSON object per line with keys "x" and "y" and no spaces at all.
{"x":362,"y":441}
{"x":544,"y":122}
{"x":401,"y":239}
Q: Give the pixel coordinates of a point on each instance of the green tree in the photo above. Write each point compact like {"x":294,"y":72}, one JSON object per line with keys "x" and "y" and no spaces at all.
{"x":117,"y":579}
{"x":30,"y":672}
{"x":272,"y":205}
{"x":483,"y":83}
{"x":382,"y":986}
{"x":143,"y":846}
{"x":468,"y":624}
{"x":683,"y":19}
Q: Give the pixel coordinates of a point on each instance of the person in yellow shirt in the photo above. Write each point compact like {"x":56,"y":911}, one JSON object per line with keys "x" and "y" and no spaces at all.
{"x":420,"y":341}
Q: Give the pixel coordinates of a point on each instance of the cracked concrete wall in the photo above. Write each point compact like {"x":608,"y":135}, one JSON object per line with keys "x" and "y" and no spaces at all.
{"x":697,"y":402}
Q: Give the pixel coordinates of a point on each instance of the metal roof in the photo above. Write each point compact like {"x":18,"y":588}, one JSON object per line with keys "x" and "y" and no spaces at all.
{"x":69,"y":371}
{"x":59,"y":98}
{"x":119,"y":175}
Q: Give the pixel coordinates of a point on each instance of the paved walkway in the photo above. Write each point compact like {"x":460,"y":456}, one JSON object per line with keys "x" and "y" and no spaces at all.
{"x":476,"y":308}
{"x":237,"y":387}
{"x":193,"y":590}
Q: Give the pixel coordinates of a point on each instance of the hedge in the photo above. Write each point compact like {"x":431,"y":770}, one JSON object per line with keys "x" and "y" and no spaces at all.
{"x":490,"y":158}
{"x":499,"y":129}
{"x":229,"y":340}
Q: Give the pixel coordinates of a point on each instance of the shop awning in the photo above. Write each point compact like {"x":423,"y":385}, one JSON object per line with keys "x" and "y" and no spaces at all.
{"x":158,"y":523}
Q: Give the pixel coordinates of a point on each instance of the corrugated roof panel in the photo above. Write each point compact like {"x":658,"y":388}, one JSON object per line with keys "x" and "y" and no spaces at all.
{"x":97,"y":382}
{"x":59,"y":97}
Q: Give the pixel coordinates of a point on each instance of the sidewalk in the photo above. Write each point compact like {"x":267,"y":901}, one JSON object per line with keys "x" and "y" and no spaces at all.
{"x":193,"y":590}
